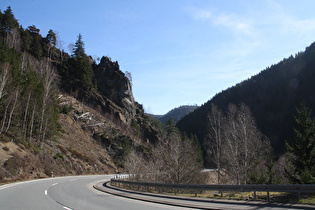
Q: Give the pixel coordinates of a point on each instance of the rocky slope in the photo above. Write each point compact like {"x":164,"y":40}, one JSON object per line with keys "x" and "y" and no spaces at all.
{"x":97,"y":129}
{"x":89,"y":142}
{"x":64,"y":114}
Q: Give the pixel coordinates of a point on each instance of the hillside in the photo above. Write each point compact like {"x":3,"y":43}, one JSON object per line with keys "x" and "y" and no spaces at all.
{"x":176,"y":114}
{"x":272,"y":96}
{"x":60,"y":113}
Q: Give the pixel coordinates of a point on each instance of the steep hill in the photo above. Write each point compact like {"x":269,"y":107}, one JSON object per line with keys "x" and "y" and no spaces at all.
{"x":272,"y":95}
{"x":176,"y":114}
{"x":63,"y":114}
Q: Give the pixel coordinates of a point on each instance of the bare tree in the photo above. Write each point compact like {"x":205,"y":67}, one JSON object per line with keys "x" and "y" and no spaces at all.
{"x":4,"y":76}
{"x":232,"y":145}
{"x":24,"y":125}
{"x":135,"y":164}
{"x":14,"y":105}
{"x":31,"y":126}
{"x":215,"y":138}
{"x":4,"y":101}
{"x":243,"y":143}
{"x":48,"y":78}
{"x":129,"y":76}
{"x":172,"y":160}
{"x":4,"y":116}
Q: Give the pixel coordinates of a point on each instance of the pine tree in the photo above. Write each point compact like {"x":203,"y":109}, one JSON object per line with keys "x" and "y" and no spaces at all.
{"x":26,"y":40}
{"x":50,"y":43}
{"x":8,"y":21}
{"x":301,"y":153}
{"x":51,"y":37}
{"x":81,"y":65}
{"x":36,"y":47}
{"x":79,"y":51}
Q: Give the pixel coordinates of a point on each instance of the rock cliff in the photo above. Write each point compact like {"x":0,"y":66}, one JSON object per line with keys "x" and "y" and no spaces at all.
{"x":113,"y":84}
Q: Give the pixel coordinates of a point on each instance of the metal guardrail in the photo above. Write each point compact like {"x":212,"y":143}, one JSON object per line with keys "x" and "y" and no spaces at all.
{"x":161,"y":187}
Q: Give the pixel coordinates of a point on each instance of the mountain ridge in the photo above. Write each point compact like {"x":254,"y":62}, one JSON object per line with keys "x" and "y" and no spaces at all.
{"x":176,"y":114}
{"x":272,"y":95}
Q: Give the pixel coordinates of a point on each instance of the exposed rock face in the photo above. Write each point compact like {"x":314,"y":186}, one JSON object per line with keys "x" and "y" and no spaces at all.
{"x":114,"y":85}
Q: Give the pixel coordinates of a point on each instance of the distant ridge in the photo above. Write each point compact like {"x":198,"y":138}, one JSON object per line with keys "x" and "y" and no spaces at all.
{"x":176,"y":114}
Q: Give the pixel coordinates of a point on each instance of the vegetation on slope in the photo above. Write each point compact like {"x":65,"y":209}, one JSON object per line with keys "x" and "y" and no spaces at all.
{"x":64,"y":114}
{"x":176,"y":114}
{"x":44,"y":116}
{"x":272,"y":96}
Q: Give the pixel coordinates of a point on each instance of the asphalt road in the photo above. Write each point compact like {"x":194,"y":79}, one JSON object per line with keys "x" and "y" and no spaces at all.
{"x":68,"y":193}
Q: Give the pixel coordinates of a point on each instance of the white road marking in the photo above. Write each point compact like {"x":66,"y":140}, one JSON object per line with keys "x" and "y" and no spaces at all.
{"x":45,"y":192}
{"x":66,"y":208}
{"x":73,"y":180}
{"x":54,"y":184}
{"x":6,"y":186}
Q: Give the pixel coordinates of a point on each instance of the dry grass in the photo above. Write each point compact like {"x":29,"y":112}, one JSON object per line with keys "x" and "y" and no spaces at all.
{"x":278,"y":197}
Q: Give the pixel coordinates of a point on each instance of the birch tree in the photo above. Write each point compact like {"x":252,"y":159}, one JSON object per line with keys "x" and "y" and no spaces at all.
{"x":48,"y":78}
{"x":215,"y":138}
{"x":232,"y":145}
{"x":4,"y":76}
{"x":13,"y":107}
{"x":173,"y":160}
{"x":243,"y":143}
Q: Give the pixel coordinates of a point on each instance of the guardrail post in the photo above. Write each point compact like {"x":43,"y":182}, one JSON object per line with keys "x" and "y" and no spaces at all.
{"x":255,"y":196}
{"x":268,"y":196}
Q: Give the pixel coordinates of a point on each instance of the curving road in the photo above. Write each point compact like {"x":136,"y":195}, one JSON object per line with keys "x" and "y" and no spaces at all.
{"x":68,"y":193}
{"x":77,"y":193}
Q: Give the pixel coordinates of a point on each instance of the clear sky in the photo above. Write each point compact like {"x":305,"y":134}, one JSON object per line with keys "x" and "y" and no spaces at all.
{"x":179,"y":52}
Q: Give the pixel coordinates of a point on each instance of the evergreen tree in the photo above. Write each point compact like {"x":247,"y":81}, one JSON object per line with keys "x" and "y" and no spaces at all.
{"x":171,"y":127}
{"x":79,"y":51}
{"x":36,"y":47}
{"x":81,"y":65}
{"x":49,"y":44}
{"x":26,"y":40}
{"x":301,"y":154}
{"x":52,"y":38}
{"x":8,"y":21}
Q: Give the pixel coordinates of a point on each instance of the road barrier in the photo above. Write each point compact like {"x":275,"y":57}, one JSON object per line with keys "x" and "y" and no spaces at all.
{"x":199,"y":188}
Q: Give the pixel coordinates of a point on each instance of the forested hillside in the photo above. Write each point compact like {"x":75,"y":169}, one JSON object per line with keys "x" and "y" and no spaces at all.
{"x":176,"y":114}
{"x":272,"y":96}
{"x":63,"y":113}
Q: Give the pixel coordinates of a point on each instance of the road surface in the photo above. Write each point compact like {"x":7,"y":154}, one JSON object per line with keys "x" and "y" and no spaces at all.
{"x":68,"y":193}
{"x":77,"y":193}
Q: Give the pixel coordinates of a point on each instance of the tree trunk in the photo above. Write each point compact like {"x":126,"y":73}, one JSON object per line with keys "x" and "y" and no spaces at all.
{"x":4,"y":78}
{"x":32,"y":122}
{"x":12,"y":110}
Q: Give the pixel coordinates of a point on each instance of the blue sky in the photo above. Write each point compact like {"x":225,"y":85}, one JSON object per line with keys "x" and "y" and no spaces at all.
{"x":178,"y":51}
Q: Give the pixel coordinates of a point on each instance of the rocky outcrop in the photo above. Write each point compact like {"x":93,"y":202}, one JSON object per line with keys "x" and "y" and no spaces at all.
{"x":113,"y":84}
